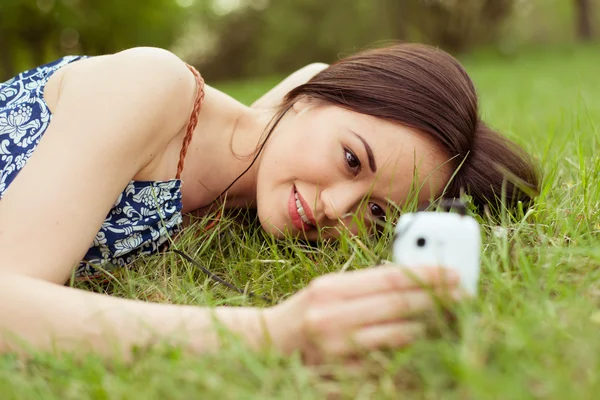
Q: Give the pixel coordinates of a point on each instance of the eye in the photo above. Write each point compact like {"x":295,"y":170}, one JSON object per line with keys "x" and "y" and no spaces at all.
{"x":352,"y":161}
{"x":377,"y":211}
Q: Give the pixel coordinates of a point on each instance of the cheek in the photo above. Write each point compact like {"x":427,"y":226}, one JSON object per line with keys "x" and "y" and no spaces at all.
{"x":303,"y":160}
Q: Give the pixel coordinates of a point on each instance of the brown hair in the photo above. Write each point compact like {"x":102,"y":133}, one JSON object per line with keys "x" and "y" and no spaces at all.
{"x":428,"y":90}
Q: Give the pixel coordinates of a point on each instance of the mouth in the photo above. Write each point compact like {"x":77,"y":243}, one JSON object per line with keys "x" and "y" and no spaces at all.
{"x":299,"y":211}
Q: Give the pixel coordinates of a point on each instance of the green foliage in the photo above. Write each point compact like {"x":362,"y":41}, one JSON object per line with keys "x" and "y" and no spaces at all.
{"x":35,"y":31}
{"x":290,"y":33}
{"x":244,"y":38}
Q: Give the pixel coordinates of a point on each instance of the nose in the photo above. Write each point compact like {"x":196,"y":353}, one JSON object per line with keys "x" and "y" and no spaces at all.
{"x":340,"y":200}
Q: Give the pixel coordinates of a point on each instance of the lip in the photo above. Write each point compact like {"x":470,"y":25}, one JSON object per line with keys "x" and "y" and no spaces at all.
{"x":295,"y":216}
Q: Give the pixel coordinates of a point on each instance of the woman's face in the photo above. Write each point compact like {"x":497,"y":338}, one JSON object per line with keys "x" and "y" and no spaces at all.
{"x":325,"y":165}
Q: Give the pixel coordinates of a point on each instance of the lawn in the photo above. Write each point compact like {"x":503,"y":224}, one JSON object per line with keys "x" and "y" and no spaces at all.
{"x":534,"y":332}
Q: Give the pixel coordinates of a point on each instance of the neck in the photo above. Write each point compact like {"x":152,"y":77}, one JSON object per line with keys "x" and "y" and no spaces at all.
{"x":222,"y":154}
{"x":243,"y":144}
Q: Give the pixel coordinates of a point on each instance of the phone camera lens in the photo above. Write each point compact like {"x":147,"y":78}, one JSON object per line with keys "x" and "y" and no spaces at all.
{"x":421,"y":242}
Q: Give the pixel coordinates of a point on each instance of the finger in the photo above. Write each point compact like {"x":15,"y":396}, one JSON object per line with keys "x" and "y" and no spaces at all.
{"x":376,"y":309}
{"x":382,"y":279}
{"x":377,"y":337}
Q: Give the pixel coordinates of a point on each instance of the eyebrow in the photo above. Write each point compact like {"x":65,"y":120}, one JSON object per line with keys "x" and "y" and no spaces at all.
{"x":370,"y":155}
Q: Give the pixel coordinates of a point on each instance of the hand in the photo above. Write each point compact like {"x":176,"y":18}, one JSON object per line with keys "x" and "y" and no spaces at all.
{"x":343,"y":314}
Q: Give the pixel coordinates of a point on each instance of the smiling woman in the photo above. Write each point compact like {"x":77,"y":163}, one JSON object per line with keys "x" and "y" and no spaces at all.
{"x":102,"y":156}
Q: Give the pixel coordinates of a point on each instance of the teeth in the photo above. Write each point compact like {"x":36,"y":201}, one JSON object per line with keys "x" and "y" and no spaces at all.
{"x":301,"y":210}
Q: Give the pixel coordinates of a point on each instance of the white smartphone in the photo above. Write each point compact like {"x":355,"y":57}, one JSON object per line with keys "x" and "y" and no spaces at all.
{"x":443,"y":239}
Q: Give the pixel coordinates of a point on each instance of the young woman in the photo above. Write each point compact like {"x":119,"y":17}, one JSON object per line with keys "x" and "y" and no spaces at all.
{"x":112,"y":151}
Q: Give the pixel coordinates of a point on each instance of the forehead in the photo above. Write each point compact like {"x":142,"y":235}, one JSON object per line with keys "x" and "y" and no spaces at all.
{"x":406,"y":159}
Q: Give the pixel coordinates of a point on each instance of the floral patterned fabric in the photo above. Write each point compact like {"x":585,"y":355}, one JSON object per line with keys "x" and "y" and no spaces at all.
{"x":143,"y":218}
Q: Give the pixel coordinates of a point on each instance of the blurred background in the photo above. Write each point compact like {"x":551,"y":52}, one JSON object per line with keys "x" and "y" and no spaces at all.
{"x":237,"y":39}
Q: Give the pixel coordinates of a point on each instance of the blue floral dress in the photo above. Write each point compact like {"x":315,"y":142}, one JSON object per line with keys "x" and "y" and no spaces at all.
{"x":144,"y":216}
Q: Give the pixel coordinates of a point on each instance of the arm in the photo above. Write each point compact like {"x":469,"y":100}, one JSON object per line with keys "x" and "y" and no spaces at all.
{"x":337,"y":315}
{"x":43,"y":316}
{"x":274,"y":97}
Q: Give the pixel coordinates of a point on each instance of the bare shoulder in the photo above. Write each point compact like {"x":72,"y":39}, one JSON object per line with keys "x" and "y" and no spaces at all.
{"x":165,"y":67}
{"x":152,"y":85}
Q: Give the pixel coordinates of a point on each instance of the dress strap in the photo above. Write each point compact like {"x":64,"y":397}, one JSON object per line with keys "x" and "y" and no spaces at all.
{"x":193,"y":121}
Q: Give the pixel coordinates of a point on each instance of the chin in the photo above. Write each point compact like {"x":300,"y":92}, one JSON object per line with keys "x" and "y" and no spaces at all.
{"x":270,"y":226}
{"x":273,"y":231}
{"x":282,"y":230}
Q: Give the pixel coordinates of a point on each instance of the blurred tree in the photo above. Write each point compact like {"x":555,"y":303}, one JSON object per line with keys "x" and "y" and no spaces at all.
{"x":584,"y":19}
{"x":36,"y":31}
{"x":284,"y":35}
{"x":240,"y":38}
{"x":457,"y":25}
{"x":280,"y":36}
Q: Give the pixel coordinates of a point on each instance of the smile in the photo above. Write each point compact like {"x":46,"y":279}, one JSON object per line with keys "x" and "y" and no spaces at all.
{"x":300,"y":214}
{"x":300,"y":209}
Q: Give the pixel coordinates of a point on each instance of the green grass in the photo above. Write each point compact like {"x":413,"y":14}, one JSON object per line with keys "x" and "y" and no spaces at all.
{"x":534,"y":330}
